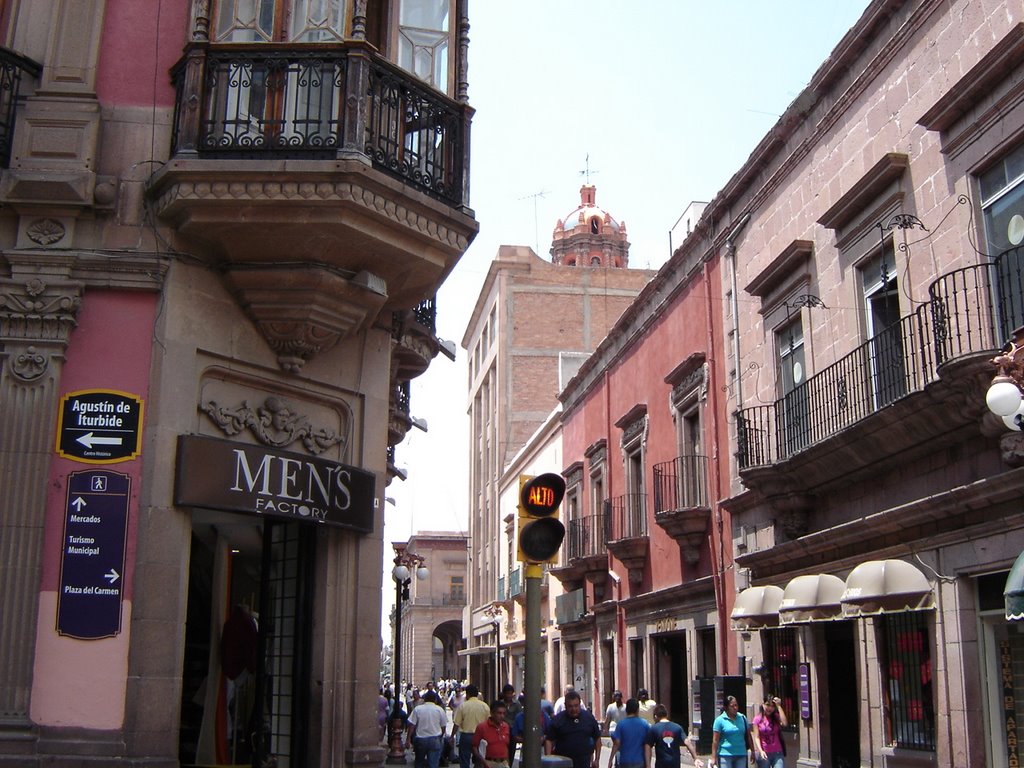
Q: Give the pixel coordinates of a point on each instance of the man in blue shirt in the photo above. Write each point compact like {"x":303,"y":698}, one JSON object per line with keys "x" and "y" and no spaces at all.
{"x":629,"y":739}
{"x":575,"y":733}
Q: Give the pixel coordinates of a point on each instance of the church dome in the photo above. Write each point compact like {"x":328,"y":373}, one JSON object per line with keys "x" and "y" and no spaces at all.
{"x":590,"y":236}
{"x":586,"y":213}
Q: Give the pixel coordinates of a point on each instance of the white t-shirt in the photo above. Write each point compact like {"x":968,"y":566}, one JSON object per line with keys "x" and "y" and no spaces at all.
{"x":613,"y":714}
{"x":429,"y":719}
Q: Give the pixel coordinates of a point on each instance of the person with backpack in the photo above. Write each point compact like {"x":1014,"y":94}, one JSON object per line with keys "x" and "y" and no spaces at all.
{"x":731,"y":742}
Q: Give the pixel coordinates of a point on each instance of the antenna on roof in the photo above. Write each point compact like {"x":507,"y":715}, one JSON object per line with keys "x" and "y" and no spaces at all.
{"x":536,"y":238}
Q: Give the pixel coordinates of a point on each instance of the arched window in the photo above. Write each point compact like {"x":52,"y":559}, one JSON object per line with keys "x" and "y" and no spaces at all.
{"x":595,"y":261}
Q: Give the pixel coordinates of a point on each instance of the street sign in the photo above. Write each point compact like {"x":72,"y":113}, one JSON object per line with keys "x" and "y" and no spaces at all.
{"x":92,"y":554}
{"x":98,"y":426}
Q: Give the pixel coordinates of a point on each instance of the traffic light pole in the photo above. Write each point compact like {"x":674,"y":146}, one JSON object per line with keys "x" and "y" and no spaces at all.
{"x":530,"y":755}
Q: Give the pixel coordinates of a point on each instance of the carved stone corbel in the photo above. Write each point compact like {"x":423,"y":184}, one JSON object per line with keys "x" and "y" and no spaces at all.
{"x":36,"y":319}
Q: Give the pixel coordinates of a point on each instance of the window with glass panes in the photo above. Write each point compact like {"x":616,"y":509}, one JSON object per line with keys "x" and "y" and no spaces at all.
{"x":789,"y":348}
{"x":906,"y":661}
{"x":1002,"y":204}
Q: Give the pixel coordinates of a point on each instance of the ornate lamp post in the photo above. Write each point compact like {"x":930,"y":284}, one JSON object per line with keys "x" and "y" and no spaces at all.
{"x":405,"y":562}
{"x":494,"y":613}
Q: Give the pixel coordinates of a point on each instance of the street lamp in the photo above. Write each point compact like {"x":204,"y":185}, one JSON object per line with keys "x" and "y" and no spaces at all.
{"x":405,"y":562}
{"x":1004,"y":396}
{"x":493,"y":612}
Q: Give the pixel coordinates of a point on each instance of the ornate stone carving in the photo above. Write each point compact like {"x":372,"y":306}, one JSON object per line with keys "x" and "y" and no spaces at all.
{"x":1011,"y":446}
{"x":275,"y":423}
{"x":33,"y":311}
{"x":29,"y":364}
{"x":45,"y":231}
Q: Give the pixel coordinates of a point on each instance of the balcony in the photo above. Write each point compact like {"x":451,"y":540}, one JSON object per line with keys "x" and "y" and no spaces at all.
{"x":414,"y":334}
{"x":681,"y":505}
{"x":627,"y":532}
{"x":917,"y":386}
{"x":327,"y":184}
{"x":13,"y":67}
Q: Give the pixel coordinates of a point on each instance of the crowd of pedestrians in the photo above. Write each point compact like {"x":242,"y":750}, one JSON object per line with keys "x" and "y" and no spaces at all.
{"x":486,"y":735}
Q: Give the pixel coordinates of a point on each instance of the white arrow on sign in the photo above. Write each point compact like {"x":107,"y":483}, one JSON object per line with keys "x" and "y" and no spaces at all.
{"x":112,"y":576}
{"x":89,"y":440}
{"x":78,"y":503}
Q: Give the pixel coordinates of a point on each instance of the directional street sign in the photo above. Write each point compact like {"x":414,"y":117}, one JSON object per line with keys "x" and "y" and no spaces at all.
{"x":99,"y":426}
{"x":92,"y":554}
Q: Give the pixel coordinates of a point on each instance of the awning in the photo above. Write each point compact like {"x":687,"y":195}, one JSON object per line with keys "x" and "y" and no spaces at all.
{"x":1013,"y":595}
{"x":756,"y":607}
{"x":812,"y":598}
{"x":885,"y":586}
{"x":478,"y":650}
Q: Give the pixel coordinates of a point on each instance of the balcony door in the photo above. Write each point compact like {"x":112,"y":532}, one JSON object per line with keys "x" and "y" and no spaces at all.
{"x":282,"y":98}
{"x":882,"y":312}
{"x":789,"y":348}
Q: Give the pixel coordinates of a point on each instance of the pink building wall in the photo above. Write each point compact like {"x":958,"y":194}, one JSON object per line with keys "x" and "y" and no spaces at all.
{"x":82,"y":682}
{"x":137,"y":54}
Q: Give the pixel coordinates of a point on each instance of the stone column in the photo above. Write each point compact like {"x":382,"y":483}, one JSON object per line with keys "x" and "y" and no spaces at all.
{"x":37,"y":313}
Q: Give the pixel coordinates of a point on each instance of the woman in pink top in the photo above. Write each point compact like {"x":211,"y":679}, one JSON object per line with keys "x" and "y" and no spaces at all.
{"x":767,"y":732}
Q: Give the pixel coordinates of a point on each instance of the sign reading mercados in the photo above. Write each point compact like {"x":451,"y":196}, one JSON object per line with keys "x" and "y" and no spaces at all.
{"x":252,"y":479}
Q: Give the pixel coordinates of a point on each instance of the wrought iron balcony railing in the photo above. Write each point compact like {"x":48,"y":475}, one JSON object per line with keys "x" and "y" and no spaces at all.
{"x":628,"y":517}
{"x":588,"y":536}
{"x":314,"y":100}
{"x":12,"y":68}
{"x":970,"y":311}
{"x":681,"y":483}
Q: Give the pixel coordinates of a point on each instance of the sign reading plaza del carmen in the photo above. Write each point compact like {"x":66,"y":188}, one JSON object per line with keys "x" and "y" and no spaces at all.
{"x":92,"y":554}
{"x":252,"y":479}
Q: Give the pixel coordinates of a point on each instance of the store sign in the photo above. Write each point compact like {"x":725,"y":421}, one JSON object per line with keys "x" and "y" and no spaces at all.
{"x":92,"y":554}
{"x":99,"y":426}
{"x":252,"y":479}
{"x":1009,"y":703}
{"x":804,"y":673}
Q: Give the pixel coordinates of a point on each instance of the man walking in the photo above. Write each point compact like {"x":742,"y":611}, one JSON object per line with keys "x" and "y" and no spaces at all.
{"x":647,"y":705}
{"x":575,"y":733}
{"x":668,"y":739}
{"x":467,"y":717}
{"x":630,"y":741}
{"x":427,"y":725}
{"x":614,"y":713}
{"x":512,"y":708}
{"x":492,"y":738}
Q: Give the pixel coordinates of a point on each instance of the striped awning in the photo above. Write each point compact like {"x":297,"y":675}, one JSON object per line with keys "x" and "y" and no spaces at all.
{"x":1013,"y":594}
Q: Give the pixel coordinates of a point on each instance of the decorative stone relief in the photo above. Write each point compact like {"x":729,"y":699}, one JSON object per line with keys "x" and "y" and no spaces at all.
{"x":275,"y":423}
{"x":34,"y":318}
{"x":45,"y":231}
{"x":29,"y":364}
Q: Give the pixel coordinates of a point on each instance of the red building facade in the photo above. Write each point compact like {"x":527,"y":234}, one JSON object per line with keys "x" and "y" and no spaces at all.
{"x":646,"y":555}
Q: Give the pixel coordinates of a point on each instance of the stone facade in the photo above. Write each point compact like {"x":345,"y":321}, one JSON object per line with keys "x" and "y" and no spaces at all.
{"x":258,"y":293}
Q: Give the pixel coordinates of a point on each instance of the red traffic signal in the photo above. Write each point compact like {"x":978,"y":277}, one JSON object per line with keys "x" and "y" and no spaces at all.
{"x":540,"y":531}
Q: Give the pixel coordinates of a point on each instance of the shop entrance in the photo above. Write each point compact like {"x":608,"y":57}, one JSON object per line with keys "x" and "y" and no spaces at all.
{"x":670,"y":678}
{"x":245,"y":678}
{"x":843,"y":694}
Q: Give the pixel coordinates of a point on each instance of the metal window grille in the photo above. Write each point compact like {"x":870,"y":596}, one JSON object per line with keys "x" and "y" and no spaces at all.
{"x":780,"y":675}
{"x":907,"y":676}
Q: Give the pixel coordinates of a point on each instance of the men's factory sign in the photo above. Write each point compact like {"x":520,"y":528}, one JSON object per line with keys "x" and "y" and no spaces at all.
{"x":237,"y":477}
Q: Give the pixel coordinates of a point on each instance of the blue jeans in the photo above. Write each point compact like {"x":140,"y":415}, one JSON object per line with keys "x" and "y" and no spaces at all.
{"x":732,"y":761}
{"x":465,"y":750}
{"x":428,"y":751}
{"x":775,"y":760}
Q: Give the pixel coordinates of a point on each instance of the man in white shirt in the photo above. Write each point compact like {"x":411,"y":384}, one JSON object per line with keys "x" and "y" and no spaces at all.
{"x":427,"y":726}
{"x":615,"y":712}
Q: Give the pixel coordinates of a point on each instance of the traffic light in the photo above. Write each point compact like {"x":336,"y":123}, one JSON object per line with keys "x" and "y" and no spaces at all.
{"x":540,"y":530}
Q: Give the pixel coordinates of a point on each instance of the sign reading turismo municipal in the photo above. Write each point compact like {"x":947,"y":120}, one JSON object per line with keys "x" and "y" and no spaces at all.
{"x":99,"y":426}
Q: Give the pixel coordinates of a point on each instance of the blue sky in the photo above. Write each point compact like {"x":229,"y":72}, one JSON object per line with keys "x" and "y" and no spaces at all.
{"x":666,"y":97}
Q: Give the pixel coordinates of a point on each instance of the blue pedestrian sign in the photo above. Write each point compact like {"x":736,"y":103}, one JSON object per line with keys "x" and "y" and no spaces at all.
{"x":92,"y":554}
